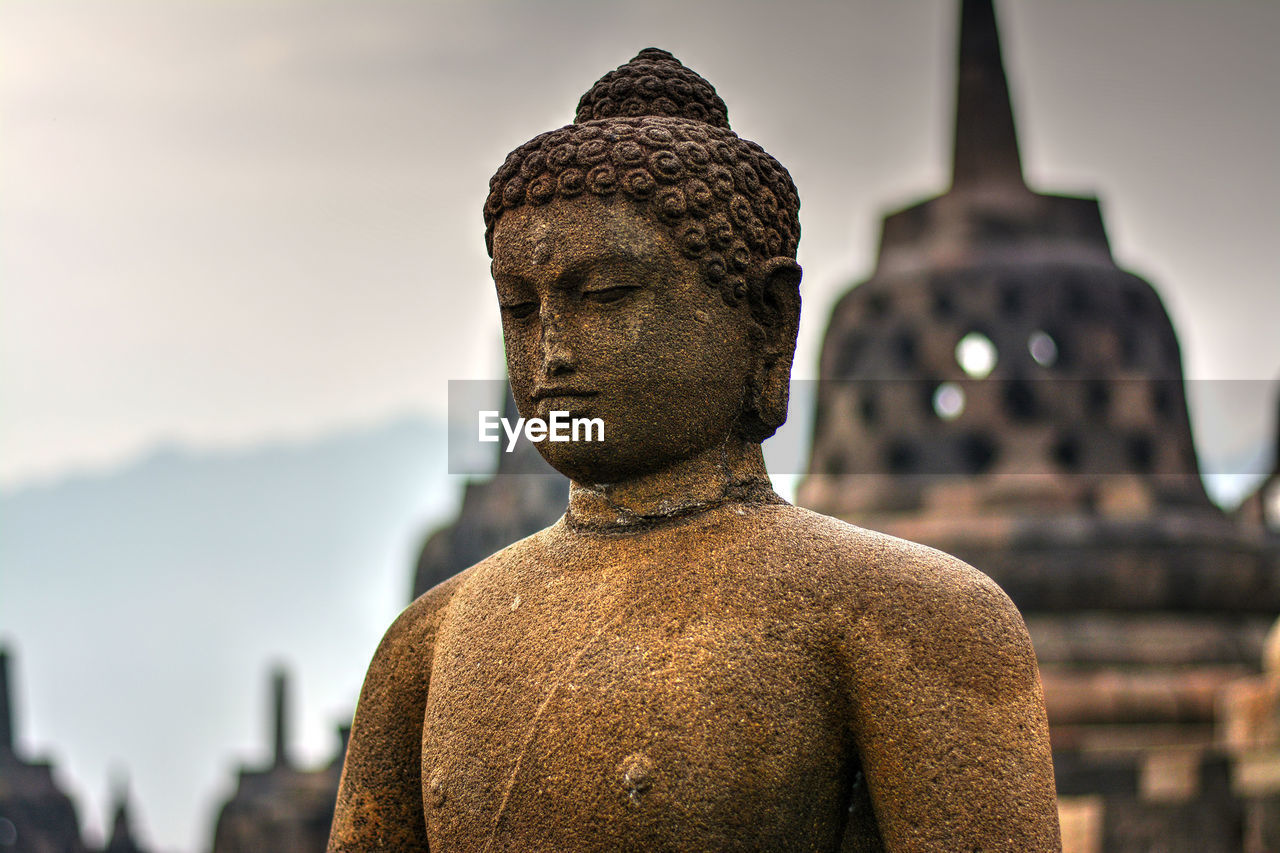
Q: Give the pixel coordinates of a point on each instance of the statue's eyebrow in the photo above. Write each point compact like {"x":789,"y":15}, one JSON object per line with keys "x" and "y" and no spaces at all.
{"x":573,"y":273}
{"x":616,"y":257}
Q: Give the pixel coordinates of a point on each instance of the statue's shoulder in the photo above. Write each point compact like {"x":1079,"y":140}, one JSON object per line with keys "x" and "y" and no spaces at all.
{"x":881,"y":574}
{"x":417,"y":624}
{"x":495,"y":571}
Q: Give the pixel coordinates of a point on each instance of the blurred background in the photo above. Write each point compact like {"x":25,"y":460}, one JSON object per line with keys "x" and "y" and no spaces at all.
{"x":241,"y":255}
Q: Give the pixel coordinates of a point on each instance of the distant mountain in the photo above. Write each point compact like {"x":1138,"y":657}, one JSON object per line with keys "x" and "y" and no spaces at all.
{"x":146,"y":604}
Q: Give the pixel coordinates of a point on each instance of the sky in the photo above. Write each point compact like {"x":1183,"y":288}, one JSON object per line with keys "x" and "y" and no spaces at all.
{"x":226,"y":224}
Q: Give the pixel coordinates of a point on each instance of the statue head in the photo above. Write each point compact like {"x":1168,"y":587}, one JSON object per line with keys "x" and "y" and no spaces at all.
{"x":652,"y":193}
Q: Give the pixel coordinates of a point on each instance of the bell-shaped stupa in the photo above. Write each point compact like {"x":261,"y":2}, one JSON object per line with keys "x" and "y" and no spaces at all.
{"x":1002,"y":390}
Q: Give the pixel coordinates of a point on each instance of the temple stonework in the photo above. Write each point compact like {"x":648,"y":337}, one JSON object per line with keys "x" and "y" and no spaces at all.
{"x":122,"y":839}
{"x":1261,"y":509}
{"x":281,"y":807}
{"x":1002,"y":390}
{"x":36,"y":815}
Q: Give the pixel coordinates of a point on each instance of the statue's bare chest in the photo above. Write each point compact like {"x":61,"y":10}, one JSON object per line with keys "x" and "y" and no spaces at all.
{"x":603,"y":711}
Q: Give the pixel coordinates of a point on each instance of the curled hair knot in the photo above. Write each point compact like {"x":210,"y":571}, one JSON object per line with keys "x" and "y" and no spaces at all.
{"x":659,"y":134}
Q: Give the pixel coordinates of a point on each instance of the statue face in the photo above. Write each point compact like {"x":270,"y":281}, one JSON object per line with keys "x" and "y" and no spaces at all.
{"x":603,"y":317}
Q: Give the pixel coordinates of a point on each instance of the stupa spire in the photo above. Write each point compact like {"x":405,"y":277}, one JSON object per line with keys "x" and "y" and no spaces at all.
{"x":986,"y":140}
{"x":121,"y":831}
{"x":121,"y":840}
{"x":280,"y":721}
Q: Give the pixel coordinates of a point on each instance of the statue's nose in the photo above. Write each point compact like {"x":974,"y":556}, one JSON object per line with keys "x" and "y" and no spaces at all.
{"x":557,"y":355}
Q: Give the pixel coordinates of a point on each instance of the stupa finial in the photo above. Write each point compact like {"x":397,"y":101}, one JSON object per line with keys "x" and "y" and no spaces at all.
{"x":986,"y":139}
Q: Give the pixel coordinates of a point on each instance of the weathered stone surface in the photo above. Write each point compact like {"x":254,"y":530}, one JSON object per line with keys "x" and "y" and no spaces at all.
{"x":684,"y":661}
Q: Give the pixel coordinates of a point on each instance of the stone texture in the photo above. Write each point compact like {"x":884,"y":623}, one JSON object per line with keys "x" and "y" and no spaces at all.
{"x":684,"y":661}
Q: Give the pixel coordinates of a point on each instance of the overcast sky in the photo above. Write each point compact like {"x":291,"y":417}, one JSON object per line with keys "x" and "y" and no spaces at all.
{"x":223,"y":223}
{"x":227,"y":221}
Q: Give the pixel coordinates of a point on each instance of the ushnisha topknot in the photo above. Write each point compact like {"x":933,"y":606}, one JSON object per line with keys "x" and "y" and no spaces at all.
{"x":656,"y":132}
{"x":655,"y":83}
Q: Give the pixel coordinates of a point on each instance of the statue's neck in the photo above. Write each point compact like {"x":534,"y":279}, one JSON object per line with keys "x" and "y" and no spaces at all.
{"x":731,"y":473}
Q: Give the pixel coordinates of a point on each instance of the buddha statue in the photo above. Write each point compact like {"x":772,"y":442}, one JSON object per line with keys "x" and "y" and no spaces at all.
{"x":684,"y":661}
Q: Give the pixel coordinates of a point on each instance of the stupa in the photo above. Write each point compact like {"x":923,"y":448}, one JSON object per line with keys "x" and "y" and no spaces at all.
{"x":280,"y":807}
{"x":36,"y":815}
{"x":1002,"y":390}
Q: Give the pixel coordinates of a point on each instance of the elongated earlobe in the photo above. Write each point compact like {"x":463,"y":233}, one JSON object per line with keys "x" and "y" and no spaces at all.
{"x":776,"y":310}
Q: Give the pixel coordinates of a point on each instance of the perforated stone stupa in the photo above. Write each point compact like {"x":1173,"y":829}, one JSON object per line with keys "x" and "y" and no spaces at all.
{"x":998,"y":339}
{"x":1002,"y":390}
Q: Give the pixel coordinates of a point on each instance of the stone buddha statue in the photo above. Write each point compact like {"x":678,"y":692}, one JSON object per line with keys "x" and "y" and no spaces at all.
{"x":684,"y":661}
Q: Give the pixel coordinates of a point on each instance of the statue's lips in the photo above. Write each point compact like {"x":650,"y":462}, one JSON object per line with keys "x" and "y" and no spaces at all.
{"x":558,"y":393}
{"x":574,"y":401}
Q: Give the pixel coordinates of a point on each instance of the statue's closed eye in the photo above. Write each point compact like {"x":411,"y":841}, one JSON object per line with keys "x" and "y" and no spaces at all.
{"x":520,"y":310}
{"x":606,"y":295}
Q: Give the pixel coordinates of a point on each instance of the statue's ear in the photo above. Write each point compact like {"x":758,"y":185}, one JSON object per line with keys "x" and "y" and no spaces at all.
{"x":776,"y":310}
{"x":779,"y":308}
